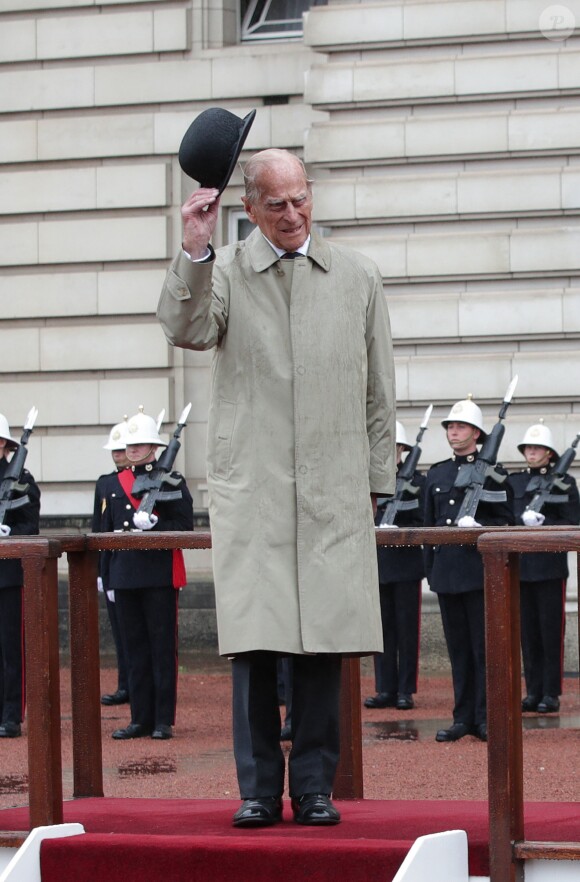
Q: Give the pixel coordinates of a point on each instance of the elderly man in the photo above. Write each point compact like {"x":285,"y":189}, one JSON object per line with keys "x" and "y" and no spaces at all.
{"x":301,"y":441}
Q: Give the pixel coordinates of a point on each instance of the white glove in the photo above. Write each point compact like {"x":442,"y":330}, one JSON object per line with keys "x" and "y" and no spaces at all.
{"x":533,"y":518}
{"x":100,"y":584}
{"x":144,"y":521}
{"x":4,"y":530}
{"x":111,"y":596}
{"x":467,"y":521}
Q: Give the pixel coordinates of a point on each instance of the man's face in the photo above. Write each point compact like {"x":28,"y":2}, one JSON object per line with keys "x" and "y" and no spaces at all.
{"x":283,"y":211}
{"x":119,"y":457}
{"x":140,"y":453}
{"x":536,"y":456}
{"x":462,"y":438}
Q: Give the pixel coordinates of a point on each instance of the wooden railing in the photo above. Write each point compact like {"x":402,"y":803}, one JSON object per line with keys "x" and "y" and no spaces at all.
{"x":39,"y":562}
{"x":508,"y":846}
{"x":499,"y":547}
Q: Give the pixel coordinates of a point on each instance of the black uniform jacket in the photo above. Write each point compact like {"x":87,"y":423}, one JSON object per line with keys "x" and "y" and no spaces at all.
{"x":456,"y":569}
{"x":22,"y":521}
{"x":101,"y":492}
{"x":538,"y":566}
{"x":142,"y":569}
{"x":403,"y":563}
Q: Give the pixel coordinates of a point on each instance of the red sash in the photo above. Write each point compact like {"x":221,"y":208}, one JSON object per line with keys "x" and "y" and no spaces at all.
{"x":126,"y":480}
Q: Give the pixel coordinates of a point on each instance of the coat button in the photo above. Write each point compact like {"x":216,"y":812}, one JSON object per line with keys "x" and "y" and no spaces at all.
{"x":448,"y":522}
{"x":128,"y":505}
{"x":303,"y":470}
{"x":125,"y":523}
{"x":451,"y":502}
{"x":301,"y":370}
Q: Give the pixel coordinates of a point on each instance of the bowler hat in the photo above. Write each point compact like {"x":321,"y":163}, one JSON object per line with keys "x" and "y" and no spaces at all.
{"x":210,"y":148}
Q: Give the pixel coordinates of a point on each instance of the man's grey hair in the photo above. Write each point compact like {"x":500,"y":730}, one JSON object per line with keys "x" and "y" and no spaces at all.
{"x":255,"y":165}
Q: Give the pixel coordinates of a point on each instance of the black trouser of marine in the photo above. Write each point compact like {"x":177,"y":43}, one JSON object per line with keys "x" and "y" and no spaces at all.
{"x":315,"y":724}
{"x":121,"y":653}
{"x":148,"y":622}
{"x":396,"y":667}
{"x":464,"y":628}
{"x":542,"y":631}
{"x":11,"y":656}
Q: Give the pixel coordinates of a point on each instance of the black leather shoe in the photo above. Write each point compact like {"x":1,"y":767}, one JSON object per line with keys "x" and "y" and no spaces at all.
{"x":530,"y":703}
{"x":263,"y":811}
{"x":162,"y":732}
{"x":549,"y":704}
{"x":381,"y":699}
{"x":315,"y":810}
{"x":133,"y":730}
{"x":454,"y":733}
{"x":405,"y":702}
{"x":121,"y":696}
{"x":10,"y":730}
{"x":480,"y":731}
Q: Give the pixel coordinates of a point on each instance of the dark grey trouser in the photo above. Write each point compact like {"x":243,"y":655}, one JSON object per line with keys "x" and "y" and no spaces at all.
{"x":315,"y":724}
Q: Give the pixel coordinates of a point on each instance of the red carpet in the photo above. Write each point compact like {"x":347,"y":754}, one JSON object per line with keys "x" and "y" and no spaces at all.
{"x":181,"y":840}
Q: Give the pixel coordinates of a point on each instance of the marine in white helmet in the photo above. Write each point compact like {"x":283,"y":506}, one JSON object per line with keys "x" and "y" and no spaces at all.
{"x":19,"y":521}
{"x":116,"y":443}
{"x":539,"y":500}
{"x":455,"y":572}
{"x":145,"y":583}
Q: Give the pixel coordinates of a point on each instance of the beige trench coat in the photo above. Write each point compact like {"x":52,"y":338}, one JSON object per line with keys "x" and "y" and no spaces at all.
{"x":301,"y":430}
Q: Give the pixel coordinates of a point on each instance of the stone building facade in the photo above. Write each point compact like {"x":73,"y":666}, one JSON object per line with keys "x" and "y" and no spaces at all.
{"x":444,"y":138}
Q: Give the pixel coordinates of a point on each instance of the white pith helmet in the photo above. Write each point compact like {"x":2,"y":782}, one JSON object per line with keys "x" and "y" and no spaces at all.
{"x":5,"y":432}
{"x":538,"y":435}
{"x":466,"y":411}
{"x":401,"y":436}
{"x":142,"y":429}
{"x":117,"y":437}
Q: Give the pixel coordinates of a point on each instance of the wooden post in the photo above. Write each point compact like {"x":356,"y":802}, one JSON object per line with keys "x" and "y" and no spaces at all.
{"x":348,"y":783}
{"x":42,"y":689}
{"x":504,"y":748}
{"x":85,"y":674}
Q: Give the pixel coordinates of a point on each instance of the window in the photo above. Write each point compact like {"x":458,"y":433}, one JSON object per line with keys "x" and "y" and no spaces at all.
{"x":239,"y":225}
{"x":274,"y":19}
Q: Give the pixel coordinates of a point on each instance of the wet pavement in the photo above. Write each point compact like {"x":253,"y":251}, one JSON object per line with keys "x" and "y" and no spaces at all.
{"x":425,"y":730}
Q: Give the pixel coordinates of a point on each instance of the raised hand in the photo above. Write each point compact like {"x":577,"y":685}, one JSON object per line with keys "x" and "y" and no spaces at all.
{"x":199,"y":215}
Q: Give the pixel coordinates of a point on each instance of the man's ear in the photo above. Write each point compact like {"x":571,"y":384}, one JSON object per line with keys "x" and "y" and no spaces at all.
{"x":477,"y":433}
{"x":249,"y":209}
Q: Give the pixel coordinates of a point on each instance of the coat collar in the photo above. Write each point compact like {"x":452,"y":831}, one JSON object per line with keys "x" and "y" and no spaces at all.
{"x":262,"y":257}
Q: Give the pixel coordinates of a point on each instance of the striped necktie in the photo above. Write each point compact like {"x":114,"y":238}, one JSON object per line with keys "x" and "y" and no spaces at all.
{"x":290,"y":255}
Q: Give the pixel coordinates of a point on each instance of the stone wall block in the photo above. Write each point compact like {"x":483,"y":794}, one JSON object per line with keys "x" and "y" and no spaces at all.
{"x":106,"y":239}
{"x":84,"y":137}
{"x":129,"y":291}
{"x":17,"y":41}
{"x":46,"y":89}
{"x":152,"y":82}
{"x":85,"y":36}
{"x":18,"y":244}
{"x":133,"y":186}
{"x":355,"y":141}
{"x":43,"y":295}
{"x":102,"y":347}
{"x":19,"y":349}
{"x":124,"y":395}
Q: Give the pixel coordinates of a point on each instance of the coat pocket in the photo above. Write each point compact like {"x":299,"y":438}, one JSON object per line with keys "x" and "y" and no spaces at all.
{"x":223,"y":439}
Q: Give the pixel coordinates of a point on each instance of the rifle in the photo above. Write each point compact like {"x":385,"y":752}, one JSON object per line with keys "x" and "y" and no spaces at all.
{"x":11,"y":481}
{"x":149,"y":485}
{"x":475,"y":475}
{"x":404,"y":477}
{"x":545,"y":484}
